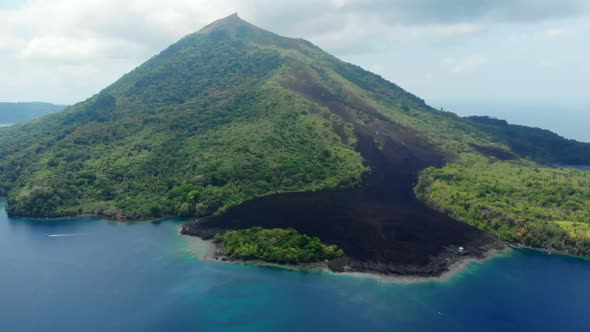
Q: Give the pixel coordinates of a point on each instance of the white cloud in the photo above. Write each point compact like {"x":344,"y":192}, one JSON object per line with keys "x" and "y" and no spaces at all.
{"x":102,"y":39}
{"x":66,"y":30}
{"x":81,"y":72}
{"x":10,"y":43}
{"x":340,"y":3}
{"x":553,"y":33}
{"x":543,"y":34}
{"x":465,"y":64}
{"x":456,"y":30}
{"x":40,"y":29}
{"x":67,"y":49}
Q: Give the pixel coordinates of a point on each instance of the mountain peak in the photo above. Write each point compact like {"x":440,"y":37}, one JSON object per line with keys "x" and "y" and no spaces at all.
{"x":234,"y":27}
{"x":233,"y":16}
{"x":260,"y":93}
{"x":232,"y":21}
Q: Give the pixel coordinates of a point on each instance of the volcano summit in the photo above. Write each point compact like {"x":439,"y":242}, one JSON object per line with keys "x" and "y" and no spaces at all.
{"x":241,"y":127}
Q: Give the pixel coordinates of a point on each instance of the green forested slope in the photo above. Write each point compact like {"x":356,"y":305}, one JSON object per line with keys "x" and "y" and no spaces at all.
{"x":234,"y":112}
{"x":202,"y":126}
{"x":520,"y":201}
{"x":184,"y":162}
{"x":206,"y":124}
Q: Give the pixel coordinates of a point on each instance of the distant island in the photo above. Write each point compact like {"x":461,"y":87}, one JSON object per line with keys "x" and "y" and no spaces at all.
{"x":250,"y":134}
{"x":11,"y":113}
{"x":537,"y":144}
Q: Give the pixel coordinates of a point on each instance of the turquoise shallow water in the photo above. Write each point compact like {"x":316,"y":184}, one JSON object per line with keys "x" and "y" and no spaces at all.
{"x":107,"y":276}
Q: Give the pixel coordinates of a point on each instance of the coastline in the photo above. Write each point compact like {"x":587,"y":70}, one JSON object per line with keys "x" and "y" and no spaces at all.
{"x":548,"y":251}
{"x":456,"y":266}
{"x":454,"y":269}
{"x":3,"y":202}
{"x":94,"y":216}
{"x":208,"y":250}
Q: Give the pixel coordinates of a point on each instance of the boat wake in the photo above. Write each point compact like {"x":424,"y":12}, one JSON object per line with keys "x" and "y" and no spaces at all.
{"x":66,"y":235}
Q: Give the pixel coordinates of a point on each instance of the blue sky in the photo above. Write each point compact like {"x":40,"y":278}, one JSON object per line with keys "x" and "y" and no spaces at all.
{"x":517,"y":52}
{"x":10,"y":4}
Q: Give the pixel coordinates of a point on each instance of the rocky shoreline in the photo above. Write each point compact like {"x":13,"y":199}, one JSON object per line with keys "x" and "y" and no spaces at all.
{"x":381,"y":226}
{"x":437,"y":266}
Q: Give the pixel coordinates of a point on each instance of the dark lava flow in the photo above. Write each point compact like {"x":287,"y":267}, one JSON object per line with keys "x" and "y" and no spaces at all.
{"x":381,"y":226}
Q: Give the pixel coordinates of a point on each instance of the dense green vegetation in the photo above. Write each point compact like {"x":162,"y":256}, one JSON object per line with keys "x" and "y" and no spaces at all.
{"x":519,"y":201}
{"x":536,"y":144}
{"x":203,"y":126}
{"x":276,"y":246}
{"x":234,"y":112}
{"x":18,"y":112}
{"x":272,"y":145}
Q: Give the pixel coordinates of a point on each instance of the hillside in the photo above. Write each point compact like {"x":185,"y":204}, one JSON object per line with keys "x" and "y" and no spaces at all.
{"x":19,"y":112}
{"x":521,"y":202}
{"x":233,"y":114}
{"x":226,"y":114}
{"x":536,"y":144}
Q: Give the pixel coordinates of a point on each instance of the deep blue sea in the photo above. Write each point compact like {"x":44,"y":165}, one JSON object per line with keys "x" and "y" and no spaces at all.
{"x":93,"y":275}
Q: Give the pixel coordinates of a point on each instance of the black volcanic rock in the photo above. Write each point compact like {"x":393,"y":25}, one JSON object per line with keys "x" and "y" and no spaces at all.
{"x":247,"y":128}
{"x":381,"y":226}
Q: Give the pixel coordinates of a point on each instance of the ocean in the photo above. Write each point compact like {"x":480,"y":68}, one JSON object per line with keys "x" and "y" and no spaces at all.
{"x":568,"y":120}
{"x":88,"y":274}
